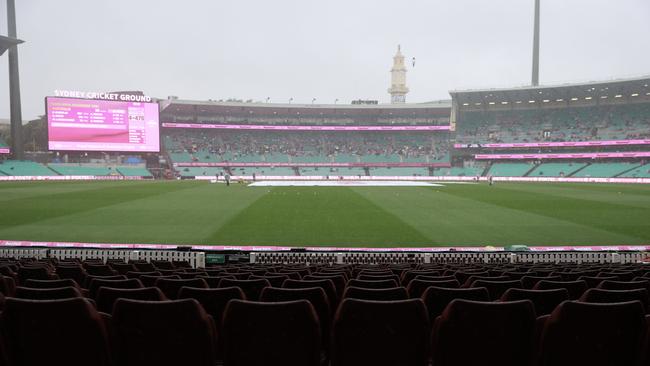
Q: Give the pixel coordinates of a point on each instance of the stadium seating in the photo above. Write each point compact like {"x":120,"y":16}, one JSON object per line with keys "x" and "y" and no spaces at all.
{"x":640,"y":172}
{"x":75,"y":169}
{"x":509,"y":169}
{"x":25,"y":168}
{"x":556,"y":169}
{"x":381,"y":294}
{"x":128,"y":171}
{"x":400,"y":338}
{"x":273,"y":333}
{"x":605,"y":170}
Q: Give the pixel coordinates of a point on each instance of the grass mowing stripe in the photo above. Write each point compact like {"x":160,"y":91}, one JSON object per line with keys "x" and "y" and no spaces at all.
{"x":32,"y":209}
{"x":185,"y":216}
{"x":617,"y":218}
{"x":322,"y":216}
{"x":453,"y":220}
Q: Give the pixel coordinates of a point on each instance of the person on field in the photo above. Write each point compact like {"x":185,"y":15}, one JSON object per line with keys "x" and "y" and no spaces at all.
{"x":227,"y":178}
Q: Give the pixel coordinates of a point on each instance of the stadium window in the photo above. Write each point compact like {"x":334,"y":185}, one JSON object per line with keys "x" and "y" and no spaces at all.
{"x":545,"y":100}
{"x":531,"y":101}
{"x":603,"y":97}
{"x":465,"y":104}
{"x":634,"y":95}
{"x":574,"y":99}
{"x":618,"y":96}
{"x":477,"y":103}
{"x":559,"y":100}
{"x":547,"y":134}
{"x":588,"y":98}
{"x":504,"y":102}
{"x":491,"y":103}
{"x":518,"y":102}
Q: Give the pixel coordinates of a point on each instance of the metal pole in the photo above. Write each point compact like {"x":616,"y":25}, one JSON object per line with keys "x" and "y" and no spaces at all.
{"x":14,"y":87}
{"x":535,"y":81}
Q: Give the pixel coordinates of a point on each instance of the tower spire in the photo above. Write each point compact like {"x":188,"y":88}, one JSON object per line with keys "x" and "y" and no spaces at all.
{"x":398,"y":89}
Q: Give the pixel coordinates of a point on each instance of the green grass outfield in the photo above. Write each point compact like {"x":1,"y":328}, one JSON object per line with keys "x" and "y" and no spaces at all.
{"x":192,"y":212}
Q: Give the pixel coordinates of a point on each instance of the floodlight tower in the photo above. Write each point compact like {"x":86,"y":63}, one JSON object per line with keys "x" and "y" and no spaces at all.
{"x":14,"y":87}
{"x":535,"y":81}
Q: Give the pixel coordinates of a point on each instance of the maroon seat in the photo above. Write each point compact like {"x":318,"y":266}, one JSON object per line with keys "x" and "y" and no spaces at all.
{"x":544,"y":301}
{"x":252,"y":288}
{"x":380,"y":333}
{"x":37,"y":332}
{"x":175,"y":332}
{"x":624,"y":285}
{"x":593,"y":282}
{"x":106,"y":296}
{"x":382,"y":294}
{"x":144,"y":267}
{"x":171,"y":286}
{"x":65,"y":282}
{"x":593,"y":334}
{"x":52,"y":293}
{"x":35,"y":273}
{"x":274,"y":280}
{"x":214,"y":300}
{"x":326,"y":284}
{"x":273,"y":333}
{"x":467,"y":331}
{"x":597,"y":295}
{"x":96,"y":283}
{"x":417,"y":287}
{"x":376,"y":284}
{"x":530,"y":281}
{"x":437,"y":298}
{"x":90,"y":279}
{"x":497,"y":288}
{"x":575,"y":288}
{"x":100,"y":270}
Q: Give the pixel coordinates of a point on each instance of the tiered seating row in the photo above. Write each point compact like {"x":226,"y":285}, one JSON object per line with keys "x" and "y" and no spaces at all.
{"x":452,"y":314}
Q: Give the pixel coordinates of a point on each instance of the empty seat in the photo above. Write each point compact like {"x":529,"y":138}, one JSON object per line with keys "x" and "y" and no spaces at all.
{"x":90,"y":278}
{"x":376,"y":284}
{"x":123,"y":268}
{"x":213,"y":281}
{"x":417,"y":287}
{"x":593,"y":334}
{"x":544,"y":301}
{"x":380,"y":333}
{"x":326,"y":284}
{"x":273,"y":333}
{"x":274,"y":280}
{"x":137,"y":274}
{"x":96,"y":283}
{"x":175,"y":332}
{"x":100,"y":270}
{"x":7,"y":285}
{"x":339,"y":281}
{"x":144,"y":267}
{"x":437,"y":298}
{"x":597,"y":295}
{"x":66,"y":282}
{"x":160,"y":264}
{"x":468,"y":282}
{"x":368,"y":277}
{"x":214,"y":300}
{"x":530,"y":281}
{"x":315,"y":295}
{"x":575,"y":288}
{"x":252,"y":288}
{"x":171,"y":286}
{"x":106,"y":296}
{"x":497,"y":288}
{"x":593,"y":282}
{"x":407,"y":276}
{"x":35,"y":273}
{"x":383,"y":294}
{"x":150,"y":280}
{"x":37,"y":333}
{"x":47,"y":293}
{"x":624,"y":285}
{"x":469,"y":332}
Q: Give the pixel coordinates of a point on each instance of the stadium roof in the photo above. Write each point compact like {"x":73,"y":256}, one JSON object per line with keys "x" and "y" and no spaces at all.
{"x":6,"y":42}
{"x":438,"y":107}
{"x":563,"y":92}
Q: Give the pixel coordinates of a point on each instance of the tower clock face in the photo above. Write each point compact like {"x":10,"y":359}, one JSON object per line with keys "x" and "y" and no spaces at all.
{"x":398,"y":98}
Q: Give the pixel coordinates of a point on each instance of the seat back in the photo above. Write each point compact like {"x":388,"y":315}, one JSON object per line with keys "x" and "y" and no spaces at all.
{"x":252,"y":288}
{"x":35,"y":332}
{"x":326,"y":284}
{"x":436,"y":299}
{"x":213,"y":300}
{"x":544,"y":301}
{"x":467,"y":332}
{"x":179,"y":327}
{"x":575,"y":288}
{"x":171,"y":286}
{"x":496,"y":288}
{"x":598,"y":295}
{"x":593,"y":334}
{"x":417,"y":286}
{"x":274,"y":333}
{"x":624,"y":285}
{"x":47,"y":293}
{"x":96,"y":283}
{"x":106,"y":296}
{"x":368,"y":332}
{"x":65,"y":282}
{"x":383,"y":294}
{"x":530,"y":281}
{"x":376,"y":284}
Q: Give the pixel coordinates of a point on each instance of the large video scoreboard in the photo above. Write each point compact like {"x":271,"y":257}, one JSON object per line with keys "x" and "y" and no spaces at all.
{"x":102,"y":125}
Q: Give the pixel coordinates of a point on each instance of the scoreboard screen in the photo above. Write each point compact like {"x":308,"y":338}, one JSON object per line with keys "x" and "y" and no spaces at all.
{"x":102,"y":125}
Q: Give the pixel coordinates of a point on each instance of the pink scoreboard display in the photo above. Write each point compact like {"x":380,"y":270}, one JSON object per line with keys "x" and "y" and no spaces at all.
{"x":102,"y":125}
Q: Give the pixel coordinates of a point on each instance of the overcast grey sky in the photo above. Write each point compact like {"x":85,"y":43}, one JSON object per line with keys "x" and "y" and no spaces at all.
{"x":324,"y":49}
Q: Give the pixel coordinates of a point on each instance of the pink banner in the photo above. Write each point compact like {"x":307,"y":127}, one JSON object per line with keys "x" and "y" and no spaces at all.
{"x":333,"y":165}
{"x":5,"y":150}
{"x":68,"y":177}
{"x":638,"y":154}
{"x":305,"y":128}
{"x":247,"y":248}
{"x":555,"y":144}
